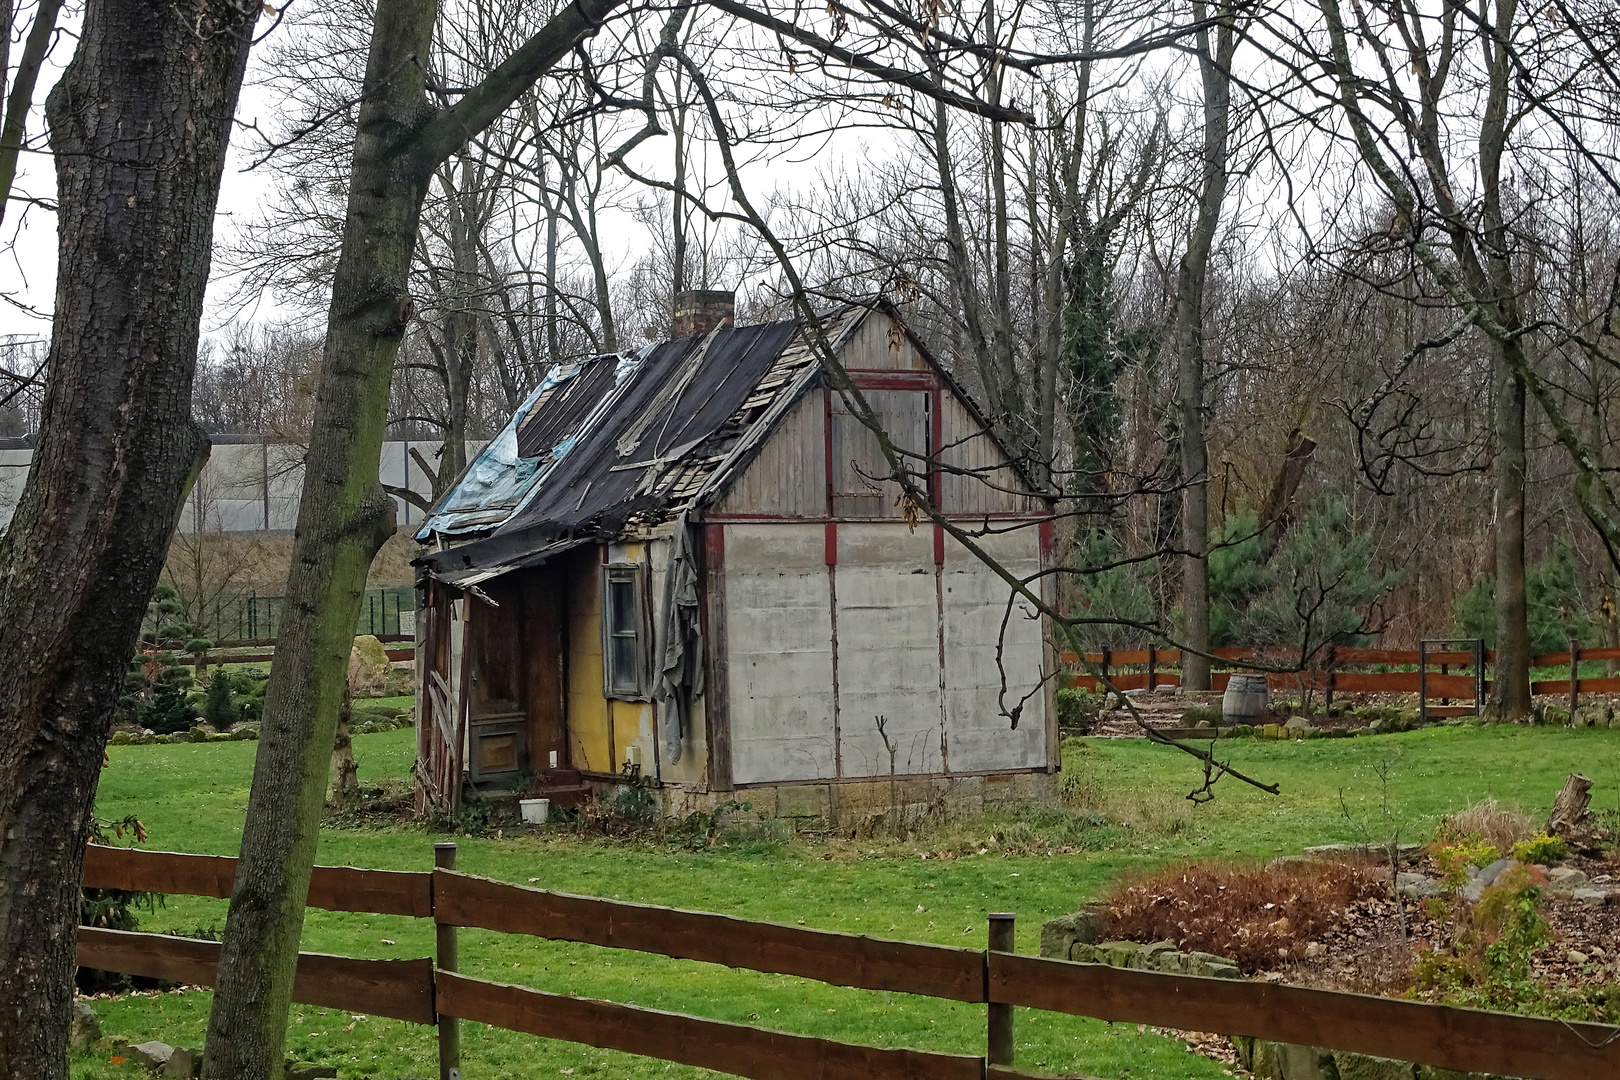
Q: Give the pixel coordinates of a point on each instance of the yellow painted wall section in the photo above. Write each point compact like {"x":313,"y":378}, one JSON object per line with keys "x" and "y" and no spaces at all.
{"x":589,"y":734}
{"x":633,"y":726}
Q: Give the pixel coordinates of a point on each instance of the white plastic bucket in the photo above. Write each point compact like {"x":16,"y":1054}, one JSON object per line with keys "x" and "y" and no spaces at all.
{"x":535,"y":811}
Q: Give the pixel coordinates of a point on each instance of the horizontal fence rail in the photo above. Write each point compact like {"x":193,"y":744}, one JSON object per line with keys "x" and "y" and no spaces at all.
{"x":840,"y":959}
{"x":401,"y":989}
{"x":739,"y":1049}
{"x":334,"y":888}
{"x":1464,"y":1040}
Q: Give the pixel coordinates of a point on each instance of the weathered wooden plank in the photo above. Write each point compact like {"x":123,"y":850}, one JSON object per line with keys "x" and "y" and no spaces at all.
{"x":1128,"y":681}
{"x":382,"y":892}
{"x":1450,"y":658}
{"x":1456,"y":686}
{"x":1598,"y":686}
{"x":1462,"y":1039}
{"x":828,"y":956}
{"x":335,"y":888}
{"x":156,"y":956}
{"x":158,"y":871}
{"x":737,"y":1049}
{"x":401,"y":989}
{"x":1343,"y":656}
{"x":1561,"y":659}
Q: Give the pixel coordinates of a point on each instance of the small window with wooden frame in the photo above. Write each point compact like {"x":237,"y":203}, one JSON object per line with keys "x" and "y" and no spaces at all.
{"x":626,"y":632}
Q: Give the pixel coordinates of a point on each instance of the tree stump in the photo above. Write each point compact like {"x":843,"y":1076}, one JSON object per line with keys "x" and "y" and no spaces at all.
{"x":1572,"y":819}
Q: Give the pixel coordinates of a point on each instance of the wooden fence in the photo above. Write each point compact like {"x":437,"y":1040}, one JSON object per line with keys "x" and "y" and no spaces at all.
{"x":422,"y":991}
{"x":1150,"y":667}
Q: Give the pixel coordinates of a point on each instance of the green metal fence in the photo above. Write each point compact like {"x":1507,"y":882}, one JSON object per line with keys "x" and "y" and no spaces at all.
{"x":251,"y":617}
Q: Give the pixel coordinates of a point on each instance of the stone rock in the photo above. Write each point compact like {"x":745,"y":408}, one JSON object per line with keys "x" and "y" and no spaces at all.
{"x":1296,"y":727}
{"x":368,"y":667}
{"x":154,"y":1055}
{"x":121,"y":738}
{"x":1576,"y":957}
{"x":1416,"y":885}
{"x":1161,"y":956}
{"x":1060,"y":935}
{"x":1113,"y":953}
{"x":1211,"y":966}
{"x":1359,"y":851}
{"x":1294,"y":1062}
{"x":1244,"y":1046}
{"x":1594,"y":897}
{"x":1366,"y":1067}
{"x":1487,"y":875}
{"x":1565,"y":879}
{"x":183,"y":1064}
{"x":1591,"y":716}
{"x":84,"y":1029}
{"x":304,"y":1070}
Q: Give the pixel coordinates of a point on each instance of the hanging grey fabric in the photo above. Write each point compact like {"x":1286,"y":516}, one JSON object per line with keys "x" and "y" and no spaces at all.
{"x":680,"y":638}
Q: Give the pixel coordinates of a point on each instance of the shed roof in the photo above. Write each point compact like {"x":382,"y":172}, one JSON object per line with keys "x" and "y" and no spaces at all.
{"x":616,"y":442}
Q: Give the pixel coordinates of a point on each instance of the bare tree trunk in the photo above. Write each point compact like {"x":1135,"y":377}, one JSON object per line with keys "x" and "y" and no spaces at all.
{"x":117,"y":449}
{"x":20,"y":97}
{"x":1510,"y":677}
{"x":1215,"y":68}
{"x":344,"y":516}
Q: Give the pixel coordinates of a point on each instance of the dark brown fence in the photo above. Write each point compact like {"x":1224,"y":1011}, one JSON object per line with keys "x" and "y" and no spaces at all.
{"x":1149,"y":667}
{"x":423,"y":992}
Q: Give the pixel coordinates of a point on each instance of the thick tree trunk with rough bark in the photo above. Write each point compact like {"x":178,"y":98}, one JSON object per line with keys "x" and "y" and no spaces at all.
{"x":344,"y":516}
{"x":116,"y":452}
{"x":1215,"y":67}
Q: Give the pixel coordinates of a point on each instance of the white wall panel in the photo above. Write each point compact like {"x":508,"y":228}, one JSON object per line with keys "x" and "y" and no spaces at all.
{"x":888,"y":650}
{"x":980,"y":738}
{"x":779,"y":653}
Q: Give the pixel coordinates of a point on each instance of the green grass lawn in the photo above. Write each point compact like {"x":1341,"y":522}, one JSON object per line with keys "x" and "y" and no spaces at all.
{"x":192,"y":798}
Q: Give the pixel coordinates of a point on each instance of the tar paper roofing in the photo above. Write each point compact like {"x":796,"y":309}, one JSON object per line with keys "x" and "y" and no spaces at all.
{"x":620,"y":441}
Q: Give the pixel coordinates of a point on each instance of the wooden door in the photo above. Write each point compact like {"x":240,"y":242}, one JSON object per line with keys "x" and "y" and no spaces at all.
{"x":544,"y":658}
{"x":495,"y":718}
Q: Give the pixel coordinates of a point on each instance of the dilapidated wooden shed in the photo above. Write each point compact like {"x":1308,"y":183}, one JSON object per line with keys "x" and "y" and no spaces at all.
{"x":680,"y":565}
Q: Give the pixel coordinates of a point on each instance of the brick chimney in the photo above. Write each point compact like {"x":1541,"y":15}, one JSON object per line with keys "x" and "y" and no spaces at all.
{"x":697,"y":311}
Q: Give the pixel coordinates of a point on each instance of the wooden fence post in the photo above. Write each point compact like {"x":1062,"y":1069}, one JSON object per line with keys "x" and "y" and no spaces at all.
{"x":1153,"y":673}
{"x":444,"y":857}
{"x":1574,"y":677}
{"x":1107,"y":655}
{"x":1423,"y":681}
{"x":1000,"y":1048}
